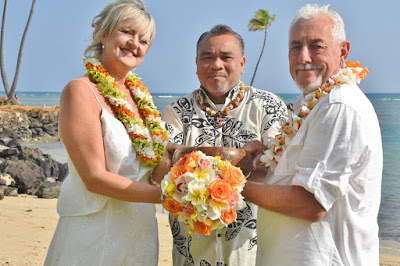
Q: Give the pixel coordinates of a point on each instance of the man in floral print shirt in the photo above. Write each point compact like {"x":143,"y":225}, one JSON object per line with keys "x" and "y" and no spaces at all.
{"x":223,"y":112}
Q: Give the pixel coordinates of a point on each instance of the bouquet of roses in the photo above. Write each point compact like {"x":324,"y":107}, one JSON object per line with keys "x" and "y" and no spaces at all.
{"x":203,"y":192}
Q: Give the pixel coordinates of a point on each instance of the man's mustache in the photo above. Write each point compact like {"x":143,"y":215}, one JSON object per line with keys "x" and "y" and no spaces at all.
{"x":307,"y":66}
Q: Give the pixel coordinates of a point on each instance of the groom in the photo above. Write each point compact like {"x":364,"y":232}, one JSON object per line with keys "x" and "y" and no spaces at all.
{"x":320,"y":206}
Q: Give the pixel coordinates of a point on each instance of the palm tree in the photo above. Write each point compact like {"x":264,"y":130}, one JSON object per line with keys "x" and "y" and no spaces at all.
{"x":261,"y":21}
{"x":11,"y":91}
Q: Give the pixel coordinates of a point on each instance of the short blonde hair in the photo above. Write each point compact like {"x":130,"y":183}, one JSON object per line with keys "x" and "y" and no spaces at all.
{"x":117,"y":15}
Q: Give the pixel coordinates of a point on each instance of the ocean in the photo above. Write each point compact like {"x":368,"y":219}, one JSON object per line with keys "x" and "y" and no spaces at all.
{"x":387,"y":106}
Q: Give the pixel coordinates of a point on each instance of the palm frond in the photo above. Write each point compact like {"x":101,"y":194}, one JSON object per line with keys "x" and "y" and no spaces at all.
{"x":261,"y":21}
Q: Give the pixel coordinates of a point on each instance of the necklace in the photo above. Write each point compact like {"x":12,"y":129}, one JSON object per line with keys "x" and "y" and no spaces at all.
{"x":220,"y":116}
{"x":149,"y":138}
{"x":351,"y":74}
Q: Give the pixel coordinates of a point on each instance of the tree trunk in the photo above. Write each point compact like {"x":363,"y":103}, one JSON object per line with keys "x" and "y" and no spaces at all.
{"x":259,"y":59}
{"x":2,"y":66}
{"x":11,"y":93}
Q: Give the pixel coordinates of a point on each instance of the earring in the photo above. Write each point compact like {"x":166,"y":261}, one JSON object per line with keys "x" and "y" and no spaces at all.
{"x":103,"y":46}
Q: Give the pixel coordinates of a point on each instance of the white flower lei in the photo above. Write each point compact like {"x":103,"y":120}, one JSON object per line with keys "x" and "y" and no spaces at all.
{"x":351,"y":74}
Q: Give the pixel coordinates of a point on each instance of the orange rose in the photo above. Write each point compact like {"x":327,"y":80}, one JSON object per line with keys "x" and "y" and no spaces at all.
{"x":203,"y":228}
{"x":233,"y":174}
{"x":190,"y":160}
{"x":220,"y":191}
{"x":171,"y":205}
{"x":228,"y":216}
{"x":177,"y":171}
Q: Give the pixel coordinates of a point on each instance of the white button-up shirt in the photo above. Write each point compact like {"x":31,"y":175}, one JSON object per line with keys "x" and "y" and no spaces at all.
{"x":337,"y":156}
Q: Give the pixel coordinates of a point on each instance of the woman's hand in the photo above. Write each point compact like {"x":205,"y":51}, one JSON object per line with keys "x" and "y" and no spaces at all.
{"x":166,"y":162}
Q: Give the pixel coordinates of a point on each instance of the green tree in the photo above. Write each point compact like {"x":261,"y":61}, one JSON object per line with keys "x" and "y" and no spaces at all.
{"x":261,"y":21}
{"x":11,"y":91}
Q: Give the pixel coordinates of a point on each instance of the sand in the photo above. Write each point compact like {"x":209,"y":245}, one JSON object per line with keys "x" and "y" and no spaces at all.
{"x":27,"y":224}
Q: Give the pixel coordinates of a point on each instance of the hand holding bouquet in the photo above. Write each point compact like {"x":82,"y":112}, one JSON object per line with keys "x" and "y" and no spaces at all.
{"x":203,"y":192}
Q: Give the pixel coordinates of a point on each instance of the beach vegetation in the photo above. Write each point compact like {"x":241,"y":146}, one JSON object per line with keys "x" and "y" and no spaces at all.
{"x":262,"y":21}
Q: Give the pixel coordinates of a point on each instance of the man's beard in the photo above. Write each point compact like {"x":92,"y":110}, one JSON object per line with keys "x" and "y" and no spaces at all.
{"x":310,"y":87}
{"x":219,"y":88}
{"x":306,"y":89}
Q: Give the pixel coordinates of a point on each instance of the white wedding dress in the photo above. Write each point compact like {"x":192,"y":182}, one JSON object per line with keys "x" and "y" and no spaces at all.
{"x":98,"y":230}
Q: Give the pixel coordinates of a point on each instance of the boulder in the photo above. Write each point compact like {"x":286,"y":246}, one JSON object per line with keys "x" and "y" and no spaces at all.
{"x":15,"y":143}
{"x":7,"y":180}
{"x":25,"y":173}
{"x":26,"y":168}
{"x":11,"y":191}
{"x":51,"y":130}
{"x":49,"y":193}
{"x":35,"y":123}
{"x":38,"y":132}
{"x":3,"y":147}
{"x":63,"y":172}
{"x":1,"y":193}
{"x":51,"y":168}
{"x":5,"y":139}
{"x":49,"y":189}
{"x":9,"y":152}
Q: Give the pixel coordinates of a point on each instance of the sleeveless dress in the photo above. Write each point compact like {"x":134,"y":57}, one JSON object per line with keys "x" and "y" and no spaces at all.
{"x":99,"y":230}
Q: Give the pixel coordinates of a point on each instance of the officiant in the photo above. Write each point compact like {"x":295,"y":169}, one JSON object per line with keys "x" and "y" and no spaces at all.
{"x":223,"y":112}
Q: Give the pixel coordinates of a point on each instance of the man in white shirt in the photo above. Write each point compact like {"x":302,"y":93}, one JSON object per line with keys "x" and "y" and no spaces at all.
{"x":321,"y":203}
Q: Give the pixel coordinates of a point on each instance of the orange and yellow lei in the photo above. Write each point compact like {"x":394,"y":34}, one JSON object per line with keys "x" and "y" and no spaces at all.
{"x":149,"y":137}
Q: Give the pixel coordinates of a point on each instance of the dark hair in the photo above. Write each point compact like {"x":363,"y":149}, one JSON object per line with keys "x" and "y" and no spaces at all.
{"x":221,"y":29}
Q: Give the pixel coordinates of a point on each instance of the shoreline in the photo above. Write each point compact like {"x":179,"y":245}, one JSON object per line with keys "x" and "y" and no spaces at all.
{"x":389,"y":247}
{"x":28,"y":224}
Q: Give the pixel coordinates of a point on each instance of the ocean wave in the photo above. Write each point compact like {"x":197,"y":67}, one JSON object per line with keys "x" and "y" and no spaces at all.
{"x":385,"y":99}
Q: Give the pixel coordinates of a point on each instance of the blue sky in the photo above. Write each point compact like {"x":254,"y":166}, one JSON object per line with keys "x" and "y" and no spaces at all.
{"x":60,"y":32}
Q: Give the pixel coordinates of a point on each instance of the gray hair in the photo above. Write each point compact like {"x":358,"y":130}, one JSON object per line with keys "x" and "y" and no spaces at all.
{"x":312,"y":10}
{"x":221,"y":29}
{"x":115,"y":16}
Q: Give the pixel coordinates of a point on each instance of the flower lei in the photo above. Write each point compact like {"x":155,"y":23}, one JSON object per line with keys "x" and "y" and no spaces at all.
{"x":221,"y":114}
{"x":203,"y":192}
{"x":149,"y":138}
{"x":351,"y":74}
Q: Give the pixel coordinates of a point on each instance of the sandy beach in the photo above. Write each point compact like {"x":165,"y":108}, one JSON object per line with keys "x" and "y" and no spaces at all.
{"x":27,"y":224}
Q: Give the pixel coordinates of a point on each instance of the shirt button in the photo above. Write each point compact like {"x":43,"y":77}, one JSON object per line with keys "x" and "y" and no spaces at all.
{"x":219,"y":235}
{"x":218,"y":135}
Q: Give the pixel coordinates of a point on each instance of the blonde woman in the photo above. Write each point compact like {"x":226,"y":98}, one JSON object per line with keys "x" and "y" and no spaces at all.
{"x":115,"y":139}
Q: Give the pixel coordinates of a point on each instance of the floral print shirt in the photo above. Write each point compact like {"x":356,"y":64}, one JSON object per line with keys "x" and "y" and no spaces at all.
{"x":257,"y":117}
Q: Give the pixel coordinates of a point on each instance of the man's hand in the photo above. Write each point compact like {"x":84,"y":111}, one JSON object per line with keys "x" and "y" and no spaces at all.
{"x":256,"y":149}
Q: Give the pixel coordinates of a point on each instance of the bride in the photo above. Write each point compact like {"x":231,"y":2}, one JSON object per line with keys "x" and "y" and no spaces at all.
{"x":115,"y":139}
